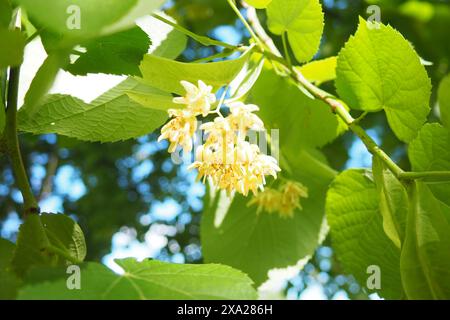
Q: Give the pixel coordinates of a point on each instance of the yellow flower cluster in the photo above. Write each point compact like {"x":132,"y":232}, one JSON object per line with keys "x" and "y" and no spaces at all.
{"x":283,"y":200}
{"x":180,"y":130}
{"x":226,"y":159}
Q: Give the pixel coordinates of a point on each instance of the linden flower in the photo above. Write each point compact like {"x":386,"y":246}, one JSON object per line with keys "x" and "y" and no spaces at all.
{"x":292,"y":192}
{"x":197,"y":98}
{"x":235,"y":167}
{"x":257,"y":170}
{"x":243,"y":119}
{"x":284,"y":201}
{"x":226,"y":159}
{"x":179,"y":130}
{"x":218,"y":131}
{"x":268,"y":201}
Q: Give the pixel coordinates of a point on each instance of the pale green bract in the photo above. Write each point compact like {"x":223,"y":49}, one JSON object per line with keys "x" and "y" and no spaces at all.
{"x":285,"y":108}
{"x":302,"y":20}
{"x":393,"y":201}
{"x":166,"y":74}
{"x":146,"y":280}
{"x":378,"y":69}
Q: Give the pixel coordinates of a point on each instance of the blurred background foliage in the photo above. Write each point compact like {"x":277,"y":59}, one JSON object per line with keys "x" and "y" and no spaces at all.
{"x":130,"y":199}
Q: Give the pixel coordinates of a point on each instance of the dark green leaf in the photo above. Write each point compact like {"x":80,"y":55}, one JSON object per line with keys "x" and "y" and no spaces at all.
{"x":425,"y":259}
{"x":357,"y":233}
{"x":48,"y":240}
{"x":119,"y":53}
{"x":9,"y":283}
{"x":5,"y":13}
{"x":11,"y":50}
{"x":444,"y":100}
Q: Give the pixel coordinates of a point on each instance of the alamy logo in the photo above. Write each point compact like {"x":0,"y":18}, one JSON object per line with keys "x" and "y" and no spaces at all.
{"x":374,"y":20}
{"x":74,"y":280}
{"x":73,"y":22}
{"x":374,"y":280}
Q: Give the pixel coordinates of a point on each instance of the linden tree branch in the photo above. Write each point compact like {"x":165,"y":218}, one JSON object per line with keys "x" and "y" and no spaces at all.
{"x":337,"y":106}
{"x":12,"y":144}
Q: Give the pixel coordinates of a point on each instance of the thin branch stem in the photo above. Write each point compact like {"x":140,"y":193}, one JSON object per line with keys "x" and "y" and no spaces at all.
{"x":259,"y":30}
{"x":361,"y":117}
{"x":232,"y":4}
{"x":432,"y":176}
{"x":12,"y":143}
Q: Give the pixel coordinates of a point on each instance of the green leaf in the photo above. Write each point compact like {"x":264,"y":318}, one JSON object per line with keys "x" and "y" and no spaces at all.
{"x":117,"y":15}
{"x":303,"y":22}
{"x":234,"y":233}
{"x":378,"y":69}
{"x":6,"y":253}
{"x":425,"y":259}
{"x":49,"y":240}
{"x":357,"y":235}
{"x":119,"y":53}
{"x":5,"y":14}
{"x":11,"y":50}
{"x":444,"y":100}
{"x":149,"y":279}
{"x":301,"y":121}
{"x":320,"y":71}
{"x":430,"y":151}
{"x":259,"y":4}
{"x":393,"y":202}
{"x":9,"y":283}
{"x":166,"y":74}
{"x":112,"y":117}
